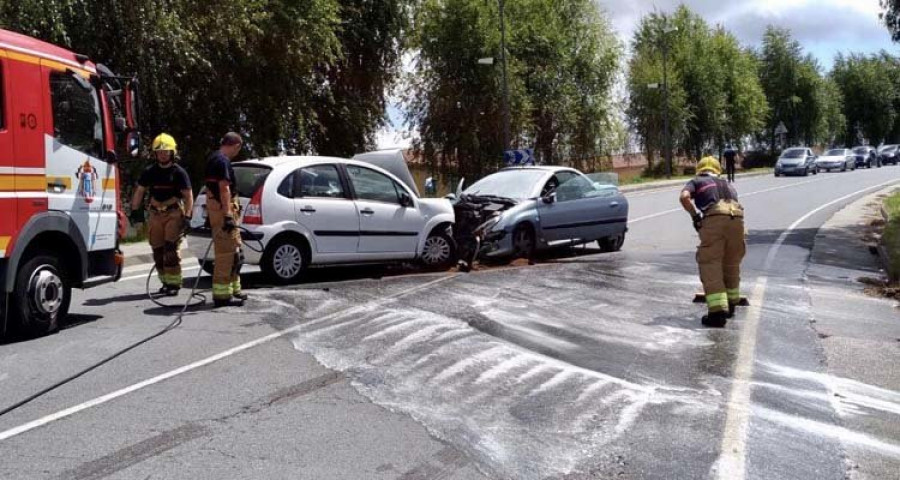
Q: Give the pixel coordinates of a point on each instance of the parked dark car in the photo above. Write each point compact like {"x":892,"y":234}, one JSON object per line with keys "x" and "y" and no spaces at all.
{"x":888,"y":154}
{"x":866,"y":157}
{"x":796,"y":161}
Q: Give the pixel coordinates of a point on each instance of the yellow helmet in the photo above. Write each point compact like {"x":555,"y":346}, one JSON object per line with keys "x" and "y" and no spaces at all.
{"x":709,"y":164}
{"x":164,"y":141}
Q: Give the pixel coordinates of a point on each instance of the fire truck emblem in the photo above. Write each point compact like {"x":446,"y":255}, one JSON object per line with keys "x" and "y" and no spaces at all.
{"x":87,"y":181}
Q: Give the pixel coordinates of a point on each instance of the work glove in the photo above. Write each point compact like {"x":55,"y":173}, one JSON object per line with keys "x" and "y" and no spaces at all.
{"x":186,"y":226}
{"x":229,"y":225}
{"x":698,"y":221}
{"x":136,"y":216}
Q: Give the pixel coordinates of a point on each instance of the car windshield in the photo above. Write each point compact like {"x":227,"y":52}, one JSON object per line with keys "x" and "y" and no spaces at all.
{"x":794,"y":153}
{"x":604,"y":179}
{"x":834,"y":153}
{"x":861,"y":150}
{"x":249,"y":177}
{"x":517,"y":184}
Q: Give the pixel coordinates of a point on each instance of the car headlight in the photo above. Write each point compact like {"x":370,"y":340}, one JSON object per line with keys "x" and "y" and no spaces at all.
{"x":488,"y":225}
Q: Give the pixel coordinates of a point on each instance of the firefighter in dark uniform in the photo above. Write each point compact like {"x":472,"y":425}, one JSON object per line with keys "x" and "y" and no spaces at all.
{"x":730,"y":160}
{"x":719,"y":219}
{"x":224,"y":213}
{"x":170,"y":206}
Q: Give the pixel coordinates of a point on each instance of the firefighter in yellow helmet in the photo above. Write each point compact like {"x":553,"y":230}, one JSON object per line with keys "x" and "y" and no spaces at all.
{"x":171,"y":203}
{"x":224,"y":217}
{"x":719,"y":219}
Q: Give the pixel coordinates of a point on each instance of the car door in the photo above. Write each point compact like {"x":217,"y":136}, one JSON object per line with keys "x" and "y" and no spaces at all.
{"x":386,"y":226}
{"x":324,"y":207}
{"x":579,"y":210}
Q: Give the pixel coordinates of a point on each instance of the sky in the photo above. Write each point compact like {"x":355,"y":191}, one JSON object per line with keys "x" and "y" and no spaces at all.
{"x":823,"y":27}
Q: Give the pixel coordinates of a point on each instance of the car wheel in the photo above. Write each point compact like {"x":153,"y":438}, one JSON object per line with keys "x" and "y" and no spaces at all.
{"x":777,"y":174}
{"x":523,"y":241}
{"x":208,"y":266}
{"x":612,"y":244}
{"x":439,"y":251}
{"x":41,"y":296}
{"x":286,"y":260}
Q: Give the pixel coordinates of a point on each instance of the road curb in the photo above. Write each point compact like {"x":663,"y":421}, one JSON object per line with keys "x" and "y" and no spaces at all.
{"x":677,"y":183}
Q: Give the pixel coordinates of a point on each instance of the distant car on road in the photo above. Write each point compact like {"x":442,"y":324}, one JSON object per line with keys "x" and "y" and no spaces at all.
{"x":535,"y":208}
{"x":866,"y":157}
{"x":888,"y":154}
{"x":308,"y":211}
{"x":837,"y":159}
{"x":796,"y":161}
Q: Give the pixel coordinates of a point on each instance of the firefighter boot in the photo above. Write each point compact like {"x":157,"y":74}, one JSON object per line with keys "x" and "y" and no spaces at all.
{"x":717,"y":319}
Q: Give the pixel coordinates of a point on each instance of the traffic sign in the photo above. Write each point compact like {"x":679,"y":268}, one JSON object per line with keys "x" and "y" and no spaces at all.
{"x":781,"y":129}
{"x":519,"y":157}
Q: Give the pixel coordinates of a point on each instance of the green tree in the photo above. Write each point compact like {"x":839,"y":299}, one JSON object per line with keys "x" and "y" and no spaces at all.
{"x":714,"y":93}
{"x":791,"y":81}
{"x":832,"y":127}
{"x":314,"y":73}
{"x":869,"y":96}
{"x":562,"y":61}
{"x":890,"y":15}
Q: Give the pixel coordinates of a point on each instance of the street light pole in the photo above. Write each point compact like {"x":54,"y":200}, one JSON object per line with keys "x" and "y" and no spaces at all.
{"x":506,"y":119}
{"x":666,"y":135}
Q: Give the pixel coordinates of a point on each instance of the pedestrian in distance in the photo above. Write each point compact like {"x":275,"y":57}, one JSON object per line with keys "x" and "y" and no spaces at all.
{"x":170,"y":206}
{"x":224,"y":215}
{"x":730,"y":160}
{"x":719,"y":220}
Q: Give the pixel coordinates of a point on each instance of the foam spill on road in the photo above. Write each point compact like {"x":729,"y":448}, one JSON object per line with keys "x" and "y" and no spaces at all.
{"x":455,"y":364}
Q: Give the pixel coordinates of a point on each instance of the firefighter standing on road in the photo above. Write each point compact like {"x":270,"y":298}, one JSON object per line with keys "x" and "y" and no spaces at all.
{"x":730,"y":159}
{"x":719,"y":219}
{"x":224,"y":215}
{"x":171,"y":203}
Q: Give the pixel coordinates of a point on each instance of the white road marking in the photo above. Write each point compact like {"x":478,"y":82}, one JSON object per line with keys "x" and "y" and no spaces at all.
{"x":369,"y":306}
{"x":732,"y":460}
{"x":144,"y":275}
{"x":676,"y":210}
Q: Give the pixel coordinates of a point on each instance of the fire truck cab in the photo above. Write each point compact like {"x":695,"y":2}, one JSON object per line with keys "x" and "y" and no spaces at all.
{"x":61,"y":116}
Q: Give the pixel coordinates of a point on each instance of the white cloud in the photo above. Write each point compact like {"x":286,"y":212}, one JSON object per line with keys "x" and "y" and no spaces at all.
{"x":823,"y":27}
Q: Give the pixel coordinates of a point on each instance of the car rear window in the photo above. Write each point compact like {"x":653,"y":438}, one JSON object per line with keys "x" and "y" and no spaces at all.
{"x":250,"y":177}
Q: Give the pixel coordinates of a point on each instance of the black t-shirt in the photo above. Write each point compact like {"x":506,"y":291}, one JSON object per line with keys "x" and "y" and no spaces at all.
{"x":707,"y":190}
{"x":730,"y":155}
{"x":218,"y":168}
{"x":165,"y":183}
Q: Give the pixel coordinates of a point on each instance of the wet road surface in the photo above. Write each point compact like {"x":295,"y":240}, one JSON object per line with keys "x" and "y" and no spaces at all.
{"x":585,"y":365}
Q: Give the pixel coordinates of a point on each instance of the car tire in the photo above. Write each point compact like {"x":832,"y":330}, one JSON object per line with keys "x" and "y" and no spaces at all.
{"x":523,"y":241}
{"x":612,"y":244}
{"x":208,"y":266}
{"x":41,"y":297}
{"x":285,"y":260}
{"x":439,"y":251}
{"x":777,"y":174}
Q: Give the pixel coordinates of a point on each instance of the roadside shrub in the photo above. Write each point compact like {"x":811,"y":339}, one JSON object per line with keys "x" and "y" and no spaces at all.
{"x":758,"y":159}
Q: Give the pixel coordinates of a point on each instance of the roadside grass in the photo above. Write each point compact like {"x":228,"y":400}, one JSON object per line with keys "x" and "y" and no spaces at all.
{"x":891,"y":236}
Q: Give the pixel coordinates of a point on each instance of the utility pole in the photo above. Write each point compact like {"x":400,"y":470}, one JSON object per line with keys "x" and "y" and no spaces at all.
{"x":666,"y":134}
{"x":506,"y":119}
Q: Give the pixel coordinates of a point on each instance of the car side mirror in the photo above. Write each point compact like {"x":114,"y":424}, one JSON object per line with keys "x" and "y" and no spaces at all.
{"x":405,"y":200}
{"x":111,"y":157}
{"x":550,"y":198}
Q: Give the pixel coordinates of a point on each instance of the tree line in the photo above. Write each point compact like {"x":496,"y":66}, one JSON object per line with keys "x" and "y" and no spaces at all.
{"x":316,"y":76}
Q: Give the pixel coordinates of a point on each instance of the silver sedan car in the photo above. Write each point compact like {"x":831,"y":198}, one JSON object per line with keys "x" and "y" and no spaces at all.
{"x":836,"y":159}
{"x":526,"y":209}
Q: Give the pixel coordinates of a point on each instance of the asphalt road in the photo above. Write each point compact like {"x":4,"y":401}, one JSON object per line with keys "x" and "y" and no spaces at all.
{"x":585,"y":365}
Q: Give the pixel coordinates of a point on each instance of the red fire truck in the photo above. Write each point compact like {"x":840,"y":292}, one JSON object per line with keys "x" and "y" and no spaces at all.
{"x":61,"y":118}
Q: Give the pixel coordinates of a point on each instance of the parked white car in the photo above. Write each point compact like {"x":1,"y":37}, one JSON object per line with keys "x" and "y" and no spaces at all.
{"x":311,"y":211}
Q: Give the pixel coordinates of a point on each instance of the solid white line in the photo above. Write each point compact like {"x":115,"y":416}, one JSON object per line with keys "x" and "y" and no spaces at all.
{"x":745,"y":195}
{"x":732,"y":460}
{"x":144,"y":275}
{"x":206,"y":361}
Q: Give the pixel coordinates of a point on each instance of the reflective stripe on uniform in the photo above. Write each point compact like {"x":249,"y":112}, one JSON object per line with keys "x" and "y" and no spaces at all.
{"x":717,"y":301}
{"x":236,"y":286}
{"x":734,"y":295}
{"x":222,"y":290}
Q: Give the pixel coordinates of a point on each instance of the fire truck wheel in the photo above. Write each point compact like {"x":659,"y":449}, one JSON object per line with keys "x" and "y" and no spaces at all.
{"x":42,"y":295}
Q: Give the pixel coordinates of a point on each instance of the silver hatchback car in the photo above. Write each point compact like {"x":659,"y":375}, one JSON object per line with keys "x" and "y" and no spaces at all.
{"x":544,"y":207}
